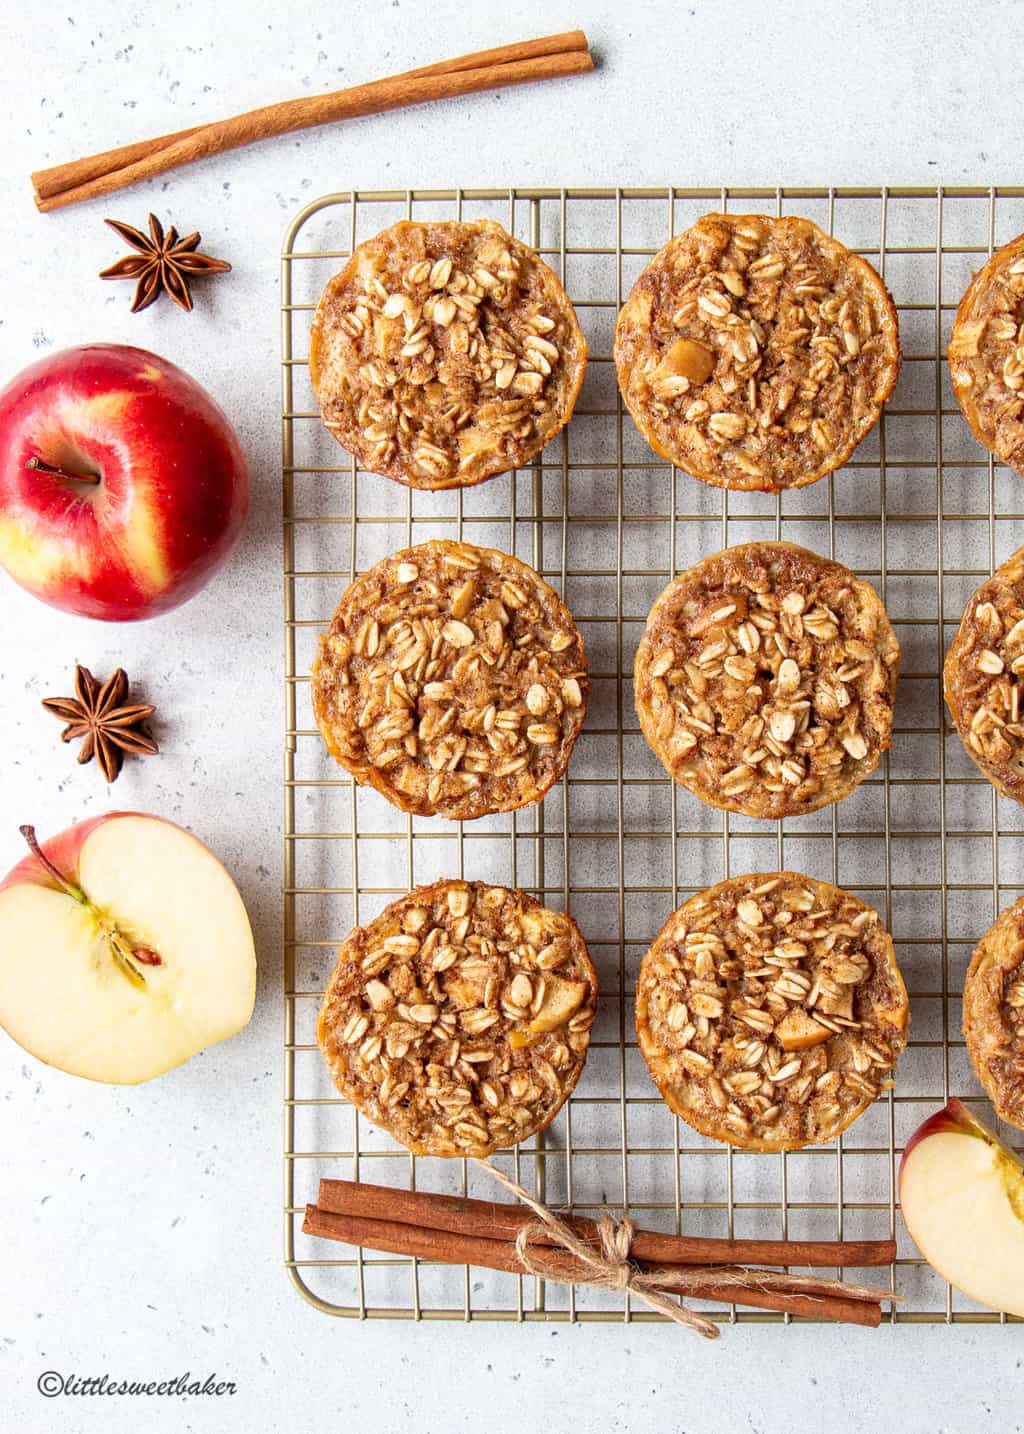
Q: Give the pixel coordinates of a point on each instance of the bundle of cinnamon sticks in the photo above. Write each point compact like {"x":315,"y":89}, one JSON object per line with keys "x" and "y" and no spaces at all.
{"x":547,"y":58}
{"x":455,"y":1230}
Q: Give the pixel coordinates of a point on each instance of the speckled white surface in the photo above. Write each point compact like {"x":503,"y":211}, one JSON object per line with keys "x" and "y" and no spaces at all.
{"x":120,"y":1253}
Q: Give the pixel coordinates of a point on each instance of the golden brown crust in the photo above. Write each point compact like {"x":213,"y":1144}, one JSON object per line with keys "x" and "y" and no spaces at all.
{"x":445,"y":353}
{"x":994,"y":1013}
{"x":453,"y":680}
{"x":765,"y":680}
{"x":459,"y":1019}
{"x":771,"y":1011}
{"x":986,"y":354}
{"x":756,"y":352}
{"x":983,"y":678}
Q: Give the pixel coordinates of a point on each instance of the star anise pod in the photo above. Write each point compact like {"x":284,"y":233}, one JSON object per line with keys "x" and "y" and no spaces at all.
{"x":97,"y":714}
{"x":163,"y":263}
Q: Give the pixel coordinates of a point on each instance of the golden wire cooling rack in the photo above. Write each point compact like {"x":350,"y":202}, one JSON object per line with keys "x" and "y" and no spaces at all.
{"x":920,"y":511}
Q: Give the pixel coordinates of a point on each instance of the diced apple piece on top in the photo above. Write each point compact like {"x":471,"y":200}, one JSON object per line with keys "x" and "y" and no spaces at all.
{"x":797,"y":1031}
{"x":562,"y":999}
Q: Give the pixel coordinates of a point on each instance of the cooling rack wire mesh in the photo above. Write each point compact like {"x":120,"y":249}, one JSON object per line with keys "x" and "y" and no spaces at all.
{"x":920,"y":511}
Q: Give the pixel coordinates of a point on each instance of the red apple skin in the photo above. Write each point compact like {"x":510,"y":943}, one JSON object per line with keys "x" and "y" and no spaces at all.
{"x":63,"y":850}
{"x":173,"y":490}
{"x":954,"y":1115}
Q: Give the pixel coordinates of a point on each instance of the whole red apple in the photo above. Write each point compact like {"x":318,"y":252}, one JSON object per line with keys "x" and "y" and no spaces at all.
{"x":122,"y":484}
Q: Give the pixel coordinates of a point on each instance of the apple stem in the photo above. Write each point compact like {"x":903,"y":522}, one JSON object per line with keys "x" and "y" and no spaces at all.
{"x":38,"y":465}
{"x":124,"y":954}
{"x":29,"y":833}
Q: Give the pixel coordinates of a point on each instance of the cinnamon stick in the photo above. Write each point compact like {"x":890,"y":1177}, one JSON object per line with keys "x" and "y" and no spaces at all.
{"x":49,"y":182}
{"x":449,"y":1247}
{"x":549,"y":57}
{"x":497,"y":1221}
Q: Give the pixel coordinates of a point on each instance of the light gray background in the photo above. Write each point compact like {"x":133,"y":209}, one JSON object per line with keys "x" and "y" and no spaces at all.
{"x":121,"y":1254}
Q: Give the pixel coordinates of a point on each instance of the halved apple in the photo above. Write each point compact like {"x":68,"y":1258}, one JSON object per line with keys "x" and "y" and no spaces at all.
{"x":962,"y":1197}
{"x":124,"y":949}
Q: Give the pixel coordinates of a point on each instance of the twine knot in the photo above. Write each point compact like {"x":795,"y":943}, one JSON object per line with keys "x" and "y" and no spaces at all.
{"x":616,"y":1238}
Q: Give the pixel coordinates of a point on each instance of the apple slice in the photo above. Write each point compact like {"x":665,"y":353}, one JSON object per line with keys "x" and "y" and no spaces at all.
{"x":124,"y":949}
{"x":962,"y":1197}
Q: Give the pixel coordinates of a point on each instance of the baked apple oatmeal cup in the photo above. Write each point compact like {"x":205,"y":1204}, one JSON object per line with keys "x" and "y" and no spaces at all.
{"x":459,"y":1019}
{"x":994,"y":1013}
{"x":771,"y":1011}
{"x":756,"y":352}
{"x":983,"y":678}
{"x":986,"y":354}
{"x":453,"y":680}
{"x":445,"y":353}
{"x":765,"y":680}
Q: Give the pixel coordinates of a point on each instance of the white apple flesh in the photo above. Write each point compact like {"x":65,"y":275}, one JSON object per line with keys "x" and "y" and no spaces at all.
{"x":962,"y":1198}
{"x":141,"y":959}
